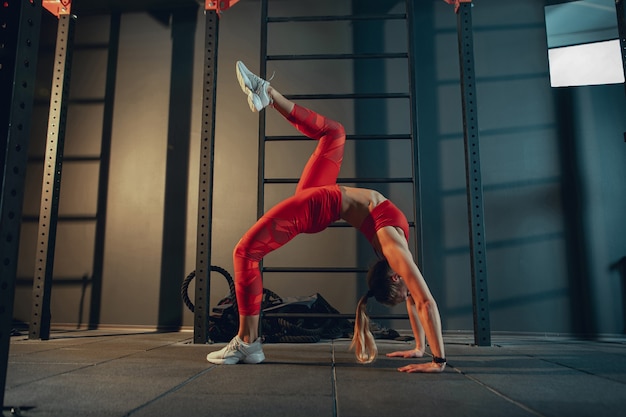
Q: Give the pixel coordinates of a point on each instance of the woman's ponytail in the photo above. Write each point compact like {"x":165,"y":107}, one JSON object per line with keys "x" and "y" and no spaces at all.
{"x":363,"y":340}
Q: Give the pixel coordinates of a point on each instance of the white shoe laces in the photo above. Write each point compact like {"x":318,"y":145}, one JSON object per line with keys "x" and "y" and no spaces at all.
{"x":261,"y":83}
{"x":233,"y":344}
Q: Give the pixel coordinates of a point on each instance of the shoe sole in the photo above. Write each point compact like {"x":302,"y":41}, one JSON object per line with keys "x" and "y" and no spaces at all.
{"x":253,"y":103}
{"x":254,"y":358}
{"x":226,"y":361}
{"x":244,"y":81}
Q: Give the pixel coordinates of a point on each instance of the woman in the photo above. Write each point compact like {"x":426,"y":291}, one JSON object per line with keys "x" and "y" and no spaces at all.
{"x":318,"y":202}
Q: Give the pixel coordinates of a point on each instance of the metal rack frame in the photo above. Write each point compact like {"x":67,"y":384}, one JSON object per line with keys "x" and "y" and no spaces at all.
{"x":478,"y":264}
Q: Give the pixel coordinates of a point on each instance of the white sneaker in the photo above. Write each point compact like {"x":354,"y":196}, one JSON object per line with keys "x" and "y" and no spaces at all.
{"x":237,"y":350}
{"x":254,"y":86}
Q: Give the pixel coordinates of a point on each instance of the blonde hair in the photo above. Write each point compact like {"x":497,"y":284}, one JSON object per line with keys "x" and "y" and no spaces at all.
{"x":363,"y":341}
{"x":386,"y":291}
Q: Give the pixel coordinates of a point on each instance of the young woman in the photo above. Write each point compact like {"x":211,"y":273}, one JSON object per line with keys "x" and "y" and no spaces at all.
{"x":318,"y":202}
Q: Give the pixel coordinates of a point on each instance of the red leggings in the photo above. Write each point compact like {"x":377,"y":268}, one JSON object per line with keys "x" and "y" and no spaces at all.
{"x":316,"y":204}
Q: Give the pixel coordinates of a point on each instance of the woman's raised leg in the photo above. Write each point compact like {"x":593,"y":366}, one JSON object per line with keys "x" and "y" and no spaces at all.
{"x":324,"y":164}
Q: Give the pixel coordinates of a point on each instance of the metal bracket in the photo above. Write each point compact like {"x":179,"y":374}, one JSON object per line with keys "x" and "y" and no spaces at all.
{"x":219,"y":5}
{"x":58,"y":7}
{"x":457,"y":3}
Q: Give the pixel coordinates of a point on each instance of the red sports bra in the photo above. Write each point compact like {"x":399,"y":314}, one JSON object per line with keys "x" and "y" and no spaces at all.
{"x":384,"y":214}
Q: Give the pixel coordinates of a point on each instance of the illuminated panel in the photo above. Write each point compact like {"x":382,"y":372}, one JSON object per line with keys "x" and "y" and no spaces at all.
{"x":588,"y":64}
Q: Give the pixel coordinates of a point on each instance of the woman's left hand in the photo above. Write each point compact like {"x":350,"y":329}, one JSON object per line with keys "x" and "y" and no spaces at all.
{"x":413,"y":353}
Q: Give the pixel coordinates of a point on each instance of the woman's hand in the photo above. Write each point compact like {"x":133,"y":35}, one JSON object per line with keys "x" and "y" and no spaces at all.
{"x":413,"y":353}
{"x":429,"y":367}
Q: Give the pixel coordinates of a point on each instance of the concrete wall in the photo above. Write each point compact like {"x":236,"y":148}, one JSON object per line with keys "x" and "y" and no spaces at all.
{"x":553,"y":165}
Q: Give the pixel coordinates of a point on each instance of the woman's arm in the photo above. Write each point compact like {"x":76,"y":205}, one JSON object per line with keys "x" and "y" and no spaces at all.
{"x":396,"y":251}
{"x":418,"y":333}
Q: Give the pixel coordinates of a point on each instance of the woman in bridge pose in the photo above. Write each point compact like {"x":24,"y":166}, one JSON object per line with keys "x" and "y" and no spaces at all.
{"x":318,"y":202}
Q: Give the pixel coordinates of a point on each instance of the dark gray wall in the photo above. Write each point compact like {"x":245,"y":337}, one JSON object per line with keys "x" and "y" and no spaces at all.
{"x":553,"y":163}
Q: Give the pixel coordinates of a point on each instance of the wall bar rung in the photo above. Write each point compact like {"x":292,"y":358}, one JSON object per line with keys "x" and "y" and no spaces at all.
{"x":314,"y":269}
{"x":310,"y":57}
{"x":334,"y":316}
{"x":344,"y":180}
{"x":391,"y":16}
{"x":346,"y":96}
{"x":348,"y":137}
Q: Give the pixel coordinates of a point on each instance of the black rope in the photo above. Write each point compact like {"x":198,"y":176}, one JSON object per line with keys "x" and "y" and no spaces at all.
{"x":184,"y":290}
{"x":275,"y":330}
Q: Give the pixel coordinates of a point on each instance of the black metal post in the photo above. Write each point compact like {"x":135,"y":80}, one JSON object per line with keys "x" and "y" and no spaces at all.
{"x":482,"y":330}
{"x":260,"y":202}
{"x":51,"y":187}
{"x":205,"y":194}
{"x":620,"y":7}
{"x":417,"y":189}
{"x":20,"y":22}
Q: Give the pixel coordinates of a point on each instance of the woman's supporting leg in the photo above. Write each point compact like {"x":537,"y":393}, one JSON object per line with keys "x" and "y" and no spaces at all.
{"x":273,"y":230}
{"x":269,"y":233}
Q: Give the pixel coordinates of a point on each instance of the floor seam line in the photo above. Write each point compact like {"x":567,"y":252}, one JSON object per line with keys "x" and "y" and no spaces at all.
{"x":170,"y":391}
{"x":578,"y":369}
{"x":498,"y":393}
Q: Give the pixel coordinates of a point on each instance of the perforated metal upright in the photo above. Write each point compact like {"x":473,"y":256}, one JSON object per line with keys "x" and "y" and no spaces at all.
{"x":212,"y":10}
{"x":205,"y":191}
{"x":19,"y":36}
{"x":411,"y":136}
{"x":51,"y":186}
{"x":475,"y":208}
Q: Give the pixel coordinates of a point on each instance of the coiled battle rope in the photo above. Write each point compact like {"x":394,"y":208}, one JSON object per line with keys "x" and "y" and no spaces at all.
{"x":279,"y":330}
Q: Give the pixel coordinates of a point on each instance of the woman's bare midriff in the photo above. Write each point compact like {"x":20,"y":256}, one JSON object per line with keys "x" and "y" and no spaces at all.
{"x":356,"y":204}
